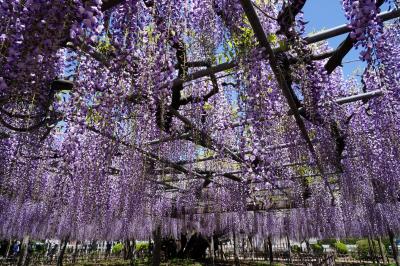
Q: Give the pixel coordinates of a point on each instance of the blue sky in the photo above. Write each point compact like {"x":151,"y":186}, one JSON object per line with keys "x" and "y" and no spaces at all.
{"x":325,"y":14}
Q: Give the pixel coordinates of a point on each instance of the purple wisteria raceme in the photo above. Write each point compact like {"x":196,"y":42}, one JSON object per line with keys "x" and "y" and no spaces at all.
{"x":364,"y":23}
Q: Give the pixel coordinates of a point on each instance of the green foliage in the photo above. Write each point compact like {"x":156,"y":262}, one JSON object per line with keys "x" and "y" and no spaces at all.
{"x":207,"y":106}
{"x":295,"y":249}
{"x":363,"y":249}
{"x":244,"y":41}
{"x":117,"y":248}
{"x":340,"y":247}
{"x":104,"y":46}
{"x":142,"y":246}
{"x":93,"y":116}
{"x":317,"y":248}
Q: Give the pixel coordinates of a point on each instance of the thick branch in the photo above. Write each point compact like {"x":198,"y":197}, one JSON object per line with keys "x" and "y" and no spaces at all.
{"x":61,"y":84}
{"x":23,"y":129}
{"x":288,"y":14}
{"x":204,"y":98}
{"x":336,"y":59}
{"x":108,"y":4}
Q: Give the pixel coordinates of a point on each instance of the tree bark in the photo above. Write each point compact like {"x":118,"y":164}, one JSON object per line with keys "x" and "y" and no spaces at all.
{"x":127,"y":254}
{"x":244,"y":249}
{"x":157,"y":247}
{"x":308,"y":246}
{"x":395,"y":251}
{"x":183,"y":245}
{"x":252,"y":248}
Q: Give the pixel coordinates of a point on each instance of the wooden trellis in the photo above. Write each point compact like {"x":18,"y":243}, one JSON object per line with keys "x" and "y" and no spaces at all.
{"x":203,"y":139}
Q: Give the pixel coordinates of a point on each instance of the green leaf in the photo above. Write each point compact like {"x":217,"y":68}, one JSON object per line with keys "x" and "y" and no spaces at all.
{"x":272,"y":38}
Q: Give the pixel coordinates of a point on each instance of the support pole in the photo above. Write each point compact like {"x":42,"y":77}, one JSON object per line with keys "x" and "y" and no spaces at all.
{"x":9,"y":247}
{"x":157,"y":247}
{"x":75,"y":254}
{"x":382,"y":250}
{"x":371,"y":250}
{"x":63,"y":246}
{"x":289,"y":249}
{"x":395,"y":251}
{"x":271,"y":255}
{"x":212,"y":249}
{"x":236,"y":258}
{"x":24,"y":251}
{"x":265,"y":249}
{"x":132,"y":251}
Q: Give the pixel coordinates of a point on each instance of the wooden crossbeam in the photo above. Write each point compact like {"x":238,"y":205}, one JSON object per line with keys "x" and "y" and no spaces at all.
{"x":343,"y":29}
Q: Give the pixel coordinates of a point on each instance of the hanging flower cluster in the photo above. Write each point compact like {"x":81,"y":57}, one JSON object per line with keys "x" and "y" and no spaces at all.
{"x":364,"y":23}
